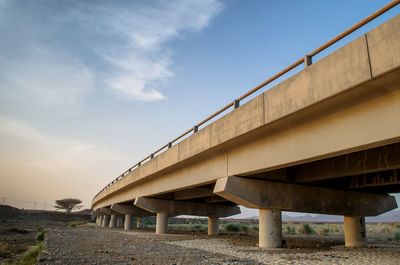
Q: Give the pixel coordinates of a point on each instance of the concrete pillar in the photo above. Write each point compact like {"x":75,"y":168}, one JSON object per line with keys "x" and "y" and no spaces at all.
{"x":127,"y":223}
{"x":270,"y":228}
{"x":139,"y":223}
{"x":354,"y":231}
{"x":112,"y":221}
{"x":119,"y":221}
{"x":105,"y":221}
{"x":162,"y":223}
{"x":97,"y":220}
{"x":213,"y":226}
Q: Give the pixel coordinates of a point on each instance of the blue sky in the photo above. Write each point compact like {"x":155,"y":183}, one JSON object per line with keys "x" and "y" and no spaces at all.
{"x":88,"y":88}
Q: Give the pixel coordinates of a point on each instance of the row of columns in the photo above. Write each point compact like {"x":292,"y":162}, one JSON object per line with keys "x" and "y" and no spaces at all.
{"x":270,"y":227}
{"x":161,"y":223}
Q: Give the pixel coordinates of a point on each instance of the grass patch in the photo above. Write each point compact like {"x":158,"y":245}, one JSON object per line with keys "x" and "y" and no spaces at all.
{"x":74,"y":224}
{"x":397,"y":236}
{"x":307,"y":229}
{"x":189,"y":227}
{"x":5,"y":250}
{"x":232,"y":227}
{"x":291,"y":230}
{"x":30,"y":256}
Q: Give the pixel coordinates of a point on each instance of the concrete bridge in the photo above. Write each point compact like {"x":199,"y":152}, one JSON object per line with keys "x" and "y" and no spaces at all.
{"x":326,"y":140}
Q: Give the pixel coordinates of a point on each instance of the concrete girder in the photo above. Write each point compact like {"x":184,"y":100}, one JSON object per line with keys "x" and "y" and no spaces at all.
{"x":130,"y":209}
{"x":96,"y":213}
{"x":188,"y":208}
{"x":362,"y":162}
{"x":254,"y":193}
{"x":192,"y":193}
{"x":107,"y":211}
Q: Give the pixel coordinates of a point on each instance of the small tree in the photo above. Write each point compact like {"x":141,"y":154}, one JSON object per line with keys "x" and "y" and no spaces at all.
{"x":68,"y":204}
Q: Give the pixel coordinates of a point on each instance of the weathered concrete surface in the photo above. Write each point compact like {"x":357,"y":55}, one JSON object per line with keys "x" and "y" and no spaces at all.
{"x":339,"y":71}
{"x":246,"y":118}
{"x":384,"y":47}
{"x":255,"y":193}
{"x":270,"y":229}
{"x":354,"y":231}
{"x":173,"y":208}
{"x":195,"y":144}
{"x":129,"y":209}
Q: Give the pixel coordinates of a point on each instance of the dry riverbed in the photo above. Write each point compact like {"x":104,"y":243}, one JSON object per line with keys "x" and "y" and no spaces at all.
{"x":90,"y":244}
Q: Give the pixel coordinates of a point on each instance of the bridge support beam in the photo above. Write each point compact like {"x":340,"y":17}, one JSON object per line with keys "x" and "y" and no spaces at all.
{"x":270,"y":228}
{"x":213,"y":226}
{"x":112,"y":220}
{"x":162,"y":223}
{"x":256,"y":193}
{"x":354,"y":231}
{"x":127,"y":223}
{"x":264,"y":195}
{"x":174,"y":208}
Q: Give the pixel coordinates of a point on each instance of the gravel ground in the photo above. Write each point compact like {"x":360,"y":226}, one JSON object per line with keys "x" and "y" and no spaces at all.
{"x":90,"y":244}
{"x":95,"y":245}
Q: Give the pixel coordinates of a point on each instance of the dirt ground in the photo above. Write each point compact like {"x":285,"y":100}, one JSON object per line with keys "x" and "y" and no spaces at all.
{"x":91,"y":244}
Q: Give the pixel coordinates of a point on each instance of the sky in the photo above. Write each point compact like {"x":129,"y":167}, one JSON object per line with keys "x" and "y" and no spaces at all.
{"x":88,"y":88}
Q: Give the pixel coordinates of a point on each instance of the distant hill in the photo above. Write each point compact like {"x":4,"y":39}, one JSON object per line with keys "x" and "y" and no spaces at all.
{"x":8,"y":212}
{"x":392,"y":216}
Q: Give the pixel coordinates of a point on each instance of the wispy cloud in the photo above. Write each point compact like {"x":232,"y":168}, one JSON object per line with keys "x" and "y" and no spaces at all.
{"x":58,"y":51}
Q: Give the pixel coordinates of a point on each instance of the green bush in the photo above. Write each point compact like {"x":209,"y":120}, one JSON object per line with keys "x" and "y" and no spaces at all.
{"x":254,"y":228}
{"x":290,"y":230}
{"x":244,"y":228}
{"x":307,"y":229}
{"x":232,"y":227}
{"x":5,"y":250}
{"x":30,"y":256}
{"x":40,"y":236}
{"x":397,"y":236}
{"x":323,"y":231}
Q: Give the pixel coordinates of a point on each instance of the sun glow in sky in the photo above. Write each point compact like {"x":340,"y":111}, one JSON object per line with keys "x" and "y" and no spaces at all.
{"x":88,"y":88}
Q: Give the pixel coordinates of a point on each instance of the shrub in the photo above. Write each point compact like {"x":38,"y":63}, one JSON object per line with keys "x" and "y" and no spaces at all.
{"x":254,"y":228}
{"x":291,"y":230}
{"x":397,"y":235}
{"x":5,"y":250}
{"x":307,"y":229}
{"x":40,"y":236}
{"x":323,"y":231}
{"x":244,"y":228}
{"x":30,"y":256}
{"x":232,"y":227}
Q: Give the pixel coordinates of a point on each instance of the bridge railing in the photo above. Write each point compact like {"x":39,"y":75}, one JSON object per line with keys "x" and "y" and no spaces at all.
{"x":306,"y":60}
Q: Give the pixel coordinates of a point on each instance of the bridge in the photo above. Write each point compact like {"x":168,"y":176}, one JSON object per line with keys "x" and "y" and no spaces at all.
{"x":325,"y":140}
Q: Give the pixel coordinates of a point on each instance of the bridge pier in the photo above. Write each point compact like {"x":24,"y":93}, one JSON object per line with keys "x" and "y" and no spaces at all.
{"x":354,"y":231}
{"x":270,"y":228}
{"x":119,"y":221}
{"x":139,"y":223}
{"x":165,"y":208}
{"x":213,"y":225}
{"x":162,"y":223}
{"x":127,"y":223}
{"x":112,"y":221}
{"x":105,"y":221}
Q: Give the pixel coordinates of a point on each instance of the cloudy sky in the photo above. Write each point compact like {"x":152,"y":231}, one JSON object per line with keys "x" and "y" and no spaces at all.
{"x":88,"y":88}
